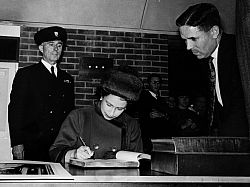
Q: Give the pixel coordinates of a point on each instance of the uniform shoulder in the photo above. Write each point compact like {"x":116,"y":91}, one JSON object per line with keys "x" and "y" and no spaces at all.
{"x":28,"y":70}
{"x":66,"y":74}
{"x":29,"y":67}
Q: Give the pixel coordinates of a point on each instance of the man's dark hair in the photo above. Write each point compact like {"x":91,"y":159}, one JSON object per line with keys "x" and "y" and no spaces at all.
{"x":203,"y":15}
{"x":153,"y":75}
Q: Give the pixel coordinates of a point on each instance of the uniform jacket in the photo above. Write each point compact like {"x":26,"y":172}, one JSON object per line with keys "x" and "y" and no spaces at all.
{"x":38,"y":105}
{"x":88,"y":123}
{"x":231,"y":118}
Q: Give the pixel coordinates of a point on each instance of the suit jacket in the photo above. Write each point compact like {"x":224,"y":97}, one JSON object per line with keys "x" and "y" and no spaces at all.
{"x":38,"y":105}
{"x":152,"y":128}
{"x":231,"y":118}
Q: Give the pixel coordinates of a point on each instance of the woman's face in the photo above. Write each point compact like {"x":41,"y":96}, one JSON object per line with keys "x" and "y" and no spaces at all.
{"x":112,"y":106}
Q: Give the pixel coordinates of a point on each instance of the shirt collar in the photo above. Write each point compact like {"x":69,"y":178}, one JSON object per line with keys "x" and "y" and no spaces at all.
{"x":215,"y":53}
{"x":153,"y":94}
{"x":48,"y":66}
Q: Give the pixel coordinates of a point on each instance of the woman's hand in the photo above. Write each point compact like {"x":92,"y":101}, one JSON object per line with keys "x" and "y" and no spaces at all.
{"x":83,"y":153}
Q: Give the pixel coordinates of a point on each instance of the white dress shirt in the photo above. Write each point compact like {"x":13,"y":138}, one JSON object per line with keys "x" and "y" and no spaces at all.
{"x":48,"y":66}
{"x":217,"y":84}
{"x":153,"y":94}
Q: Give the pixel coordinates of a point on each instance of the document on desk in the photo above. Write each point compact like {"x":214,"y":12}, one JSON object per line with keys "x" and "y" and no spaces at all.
{"x":32,"y":170}
{"x":123,"y":159}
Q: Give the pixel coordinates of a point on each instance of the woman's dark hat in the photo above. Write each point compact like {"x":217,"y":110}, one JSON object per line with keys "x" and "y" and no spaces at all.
{"x":122,"y":84}
{"x":50,"y":34}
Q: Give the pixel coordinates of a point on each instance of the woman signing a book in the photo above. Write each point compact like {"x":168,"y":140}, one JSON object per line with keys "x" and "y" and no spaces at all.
{"x":99,"y":131}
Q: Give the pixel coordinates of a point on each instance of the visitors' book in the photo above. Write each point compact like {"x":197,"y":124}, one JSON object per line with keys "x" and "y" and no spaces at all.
{"x":123,"y":159}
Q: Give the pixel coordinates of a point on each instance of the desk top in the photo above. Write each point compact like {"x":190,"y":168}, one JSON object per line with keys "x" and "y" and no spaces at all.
{"x":145,"y":175}
{"x":131,"y":176}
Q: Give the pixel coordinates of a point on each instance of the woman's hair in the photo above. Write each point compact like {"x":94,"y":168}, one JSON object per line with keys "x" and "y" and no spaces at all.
{"x":122,"y":83}
{"x":202,"y":15}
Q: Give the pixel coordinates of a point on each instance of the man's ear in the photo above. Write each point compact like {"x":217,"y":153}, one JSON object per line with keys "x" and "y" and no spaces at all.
{"x":215,"y":31}
{"x":40,"y":47}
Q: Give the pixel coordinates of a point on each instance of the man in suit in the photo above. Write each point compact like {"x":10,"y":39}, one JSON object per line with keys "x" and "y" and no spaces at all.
{"x":200,"y":27}
{"x":42,"y":96}
{"x":153,"y":113}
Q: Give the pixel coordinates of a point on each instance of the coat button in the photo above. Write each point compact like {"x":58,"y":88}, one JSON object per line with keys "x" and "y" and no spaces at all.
{"x":51,"y":112}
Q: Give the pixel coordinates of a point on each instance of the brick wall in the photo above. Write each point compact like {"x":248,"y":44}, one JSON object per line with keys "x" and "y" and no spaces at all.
{"x":146,"y":52}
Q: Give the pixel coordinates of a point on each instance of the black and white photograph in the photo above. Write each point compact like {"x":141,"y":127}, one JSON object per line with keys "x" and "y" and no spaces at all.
{"x":114,"y":93}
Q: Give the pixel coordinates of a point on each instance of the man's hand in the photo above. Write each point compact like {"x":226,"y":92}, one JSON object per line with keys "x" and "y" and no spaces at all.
{"x":157,"y":114}
{"x":18,"y":152}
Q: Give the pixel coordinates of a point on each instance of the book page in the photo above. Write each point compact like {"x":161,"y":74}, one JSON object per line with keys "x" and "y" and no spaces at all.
{"x":131,"y":156}
{"x":123,"y":159}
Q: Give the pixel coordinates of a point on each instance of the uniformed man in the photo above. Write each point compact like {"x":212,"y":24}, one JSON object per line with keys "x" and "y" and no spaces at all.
{"x":42,"y":96}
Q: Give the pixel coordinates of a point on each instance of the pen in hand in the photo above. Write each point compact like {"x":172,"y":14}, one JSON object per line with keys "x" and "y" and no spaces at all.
{"x":84,"y":144}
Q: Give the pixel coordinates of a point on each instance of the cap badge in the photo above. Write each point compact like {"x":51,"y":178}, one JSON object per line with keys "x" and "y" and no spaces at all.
{"x":56,"y":34}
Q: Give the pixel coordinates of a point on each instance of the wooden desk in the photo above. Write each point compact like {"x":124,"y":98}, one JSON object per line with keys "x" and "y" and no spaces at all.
{"x":128,"y":177}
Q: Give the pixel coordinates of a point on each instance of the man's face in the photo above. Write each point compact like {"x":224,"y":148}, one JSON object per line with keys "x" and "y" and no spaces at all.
{"x":51,"y":51}
{"x":183,"y":101}
{"x":154,"y":84}
{"x":201,"y":43}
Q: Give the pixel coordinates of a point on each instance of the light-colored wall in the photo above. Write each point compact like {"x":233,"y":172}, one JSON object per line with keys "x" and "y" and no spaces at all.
{"x":162,"y":15}
{"x":140,"y":15}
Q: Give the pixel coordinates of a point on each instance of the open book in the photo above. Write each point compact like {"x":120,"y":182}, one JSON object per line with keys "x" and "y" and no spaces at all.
{"x":123,"y":159}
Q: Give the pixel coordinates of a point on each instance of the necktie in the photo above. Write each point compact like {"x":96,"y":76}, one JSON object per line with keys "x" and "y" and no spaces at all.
{"x":212,"y":81}
{"x":53,"y":72}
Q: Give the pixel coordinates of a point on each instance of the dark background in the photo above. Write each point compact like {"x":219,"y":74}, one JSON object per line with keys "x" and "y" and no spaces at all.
{"x":187,"y":74}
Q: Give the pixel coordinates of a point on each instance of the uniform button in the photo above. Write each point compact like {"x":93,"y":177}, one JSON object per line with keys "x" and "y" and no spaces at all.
{"x":51,"y":112}
{"x":52,"y":129}
{"x":62,"y":95}
{"x":64,"y":112}
{"x":49,"y":95}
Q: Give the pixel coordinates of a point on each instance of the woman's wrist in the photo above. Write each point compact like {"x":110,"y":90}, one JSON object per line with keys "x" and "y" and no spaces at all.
{"x":70,"y":154}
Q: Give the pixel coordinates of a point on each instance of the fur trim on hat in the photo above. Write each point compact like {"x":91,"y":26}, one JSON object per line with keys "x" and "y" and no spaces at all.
{"x":123,"y":84}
